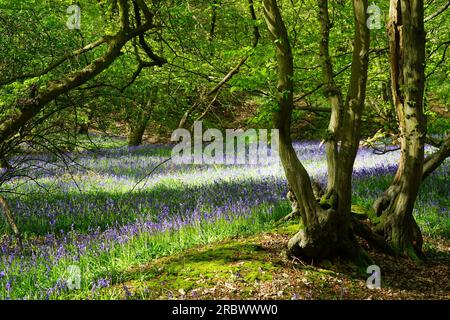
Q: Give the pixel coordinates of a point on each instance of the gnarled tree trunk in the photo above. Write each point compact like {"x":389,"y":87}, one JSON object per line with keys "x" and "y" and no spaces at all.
{"x":407,"y":56}
{"x":353,"y":108}
{"x":323,"y":233}
{"x":10,"y":219}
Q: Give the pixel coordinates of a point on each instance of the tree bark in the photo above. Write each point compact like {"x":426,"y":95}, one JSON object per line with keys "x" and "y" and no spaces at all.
{"x":213,"y":20}
{"x":345,"y":122}
{"x":344,"y":127}
{"x":7,"y":212}
{"x":323,"y":233}
{"x":433,"y":161}
{"x":407,"y":58}
{"x":83,"y":128}
{"x":353,"y":108}
{"x":137,"y":130}
{"x":334,"y":95}
{"x":139,"y":118}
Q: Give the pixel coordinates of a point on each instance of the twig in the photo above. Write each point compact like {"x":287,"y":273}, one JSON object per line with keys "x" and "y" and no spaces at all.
{"x":148,"y":174}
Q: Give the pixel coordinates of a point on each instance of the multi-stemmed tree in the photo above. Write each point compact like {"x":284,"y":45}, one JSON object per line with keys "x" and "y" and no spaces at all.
{"x":325,"y":232}
{"x":327,"y":228}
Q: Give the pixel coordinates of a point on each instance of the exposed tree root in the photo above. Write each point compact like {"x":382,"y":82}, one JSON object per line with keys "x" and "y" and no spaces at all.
{"x":374,"y":240}
{"x":330,"y":238}
{"x":399,"y":230}
{"x":295,"y":213}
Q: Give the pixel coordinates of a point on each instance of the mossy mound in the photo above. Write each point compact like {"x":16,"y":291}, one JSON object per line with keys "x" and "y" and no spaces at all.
{"x":234,"y":261}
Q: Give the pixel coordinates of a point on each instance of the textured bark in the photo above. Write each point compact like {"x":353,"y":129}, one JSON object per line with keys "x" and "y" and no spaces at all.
{"x":136,"y":134}
{"x":334,"y":95}
{"x":137,"y":130}
{"x":139,"y":118}
{"x":407,"y":56}
{"x":342,"y":141}
{"x":7,"y":212}
{"x":213,"y":20}
{"x":374,"y":240}
{"x":83,"y":128}
{"x":295,"y":213}
{"x":323,"y":233}
{"x":353,"y":108}
{"x":433,"y":161}
{"x":344,"y":127}
{"x":4,"y":163}
{"x":345,"y":121}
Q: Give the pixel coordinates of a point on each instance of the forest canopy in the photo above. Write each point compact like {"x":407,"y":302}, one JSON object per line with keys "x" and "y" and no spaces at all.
{"x":346,"y":100}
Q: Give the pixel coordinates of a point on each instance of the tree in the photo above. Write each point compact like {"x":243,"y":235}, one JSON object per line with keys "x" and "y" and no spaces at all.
{"x":214,"y":92}
{"x":22,"y":110}
{"x":26,"y":108}
{"x":138,"y":117}
{"x":407,"y":62}
{"x":345,"y":121}
{"x":324,"y":232}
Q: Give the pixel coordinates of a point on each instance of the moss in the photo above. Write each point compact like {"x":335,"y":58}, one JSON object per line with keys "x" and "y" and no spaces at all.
{"x":326,"y":264}
{"x":289,"y":228}
{"x":359,"y":212}
{"x":411,"y":253}
{"x":238,"y":261}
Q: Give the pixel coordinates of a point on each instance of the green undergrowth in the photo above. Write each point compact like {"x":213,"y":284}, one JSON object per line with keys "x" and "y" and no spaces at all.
{"x":240,"y":263}
{"x":238,"y":259}
{"x":255,"y":266}
{"x":114,"y":266}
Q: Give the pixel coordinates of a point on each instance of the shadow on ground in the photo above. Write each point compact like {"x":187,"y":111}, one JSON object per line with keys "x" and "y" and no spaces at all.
{"x":257,"y":268}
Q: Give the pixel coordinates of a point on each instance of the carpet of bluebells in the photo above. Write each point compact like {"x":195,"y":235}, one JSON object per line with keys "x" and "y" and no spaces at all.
{"x":103,"y":213}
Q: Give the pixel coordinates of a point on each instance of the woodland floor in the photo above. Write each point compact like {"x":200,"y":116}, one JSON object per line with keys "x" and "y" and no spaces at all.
{"x":257,"y":267}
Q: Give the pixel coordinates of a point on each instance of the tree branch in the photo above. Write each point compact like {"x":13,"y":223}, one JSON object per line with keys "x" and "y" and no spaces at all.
{"x":434,"y":15}
{"x":433,"y":161}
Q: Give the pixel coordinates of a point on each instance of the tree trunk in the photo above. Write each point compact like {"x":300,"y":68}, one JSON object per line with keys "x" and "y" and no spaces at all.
{"x":213,"y":20}
{"x":323,"y":233}
{"x":83,"y":128}
{"x":353,"y":108}
{"x":345,"y":122}
{"x":407,"y":56}
{"x":137,"y":132}
{"x":4,"y":163}
{"x":139,"y":118}
{"x":9,"y":218}
{"x":334,"y":95}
